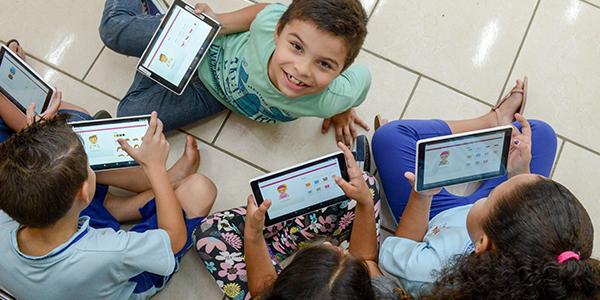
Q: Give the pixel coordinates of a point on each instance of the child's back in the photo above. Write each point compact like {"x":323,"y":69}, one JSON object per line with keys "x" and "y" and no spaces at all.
{"x":48,"y":250}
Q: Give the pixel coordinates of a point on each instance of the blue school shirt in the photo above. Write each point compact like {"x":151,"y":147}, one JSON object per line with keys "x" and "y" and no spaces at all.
{"x":412,"y":262}
{"x":92,"y":264}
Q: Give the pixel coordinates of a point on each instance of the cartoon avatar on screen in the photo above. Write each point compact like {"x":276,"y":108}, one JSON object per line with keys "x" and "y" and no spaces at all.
{"x":444,"y":156}
{"x":12,"y":73}
{"x":282,"y":191}
{"x":94,"y":143}
{"x":168,"y":61}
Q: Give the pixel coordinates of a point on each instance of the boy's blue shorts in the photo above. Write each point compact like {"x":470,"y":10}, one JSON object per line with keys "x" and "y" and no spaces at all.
{"x":100,"y":217}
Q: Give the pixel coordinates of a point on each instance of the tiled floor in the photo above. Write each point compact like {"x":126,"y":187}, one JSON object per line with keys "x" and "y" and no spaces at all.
{"x":429,"y":59}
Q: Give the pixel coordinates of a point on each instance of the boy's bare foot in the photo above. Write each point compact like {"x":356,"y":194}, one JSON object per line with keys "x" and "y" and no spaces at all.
{"x":505,"y":113}
{"x":16,"y":48}
{"x":188,"y":163}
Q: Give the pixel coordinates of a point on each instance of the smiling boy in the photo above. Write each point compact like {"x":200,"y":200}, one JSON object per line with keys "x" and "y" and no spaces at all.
{"x":271,"y":63}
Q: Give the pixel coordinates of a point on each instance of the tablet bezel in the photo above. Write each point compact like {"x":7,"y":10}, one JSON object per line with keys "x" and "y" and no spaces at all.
{"x":259,"y":199}
{"x":116,"y":165}
{"x":23,"y":107}
{"x":178,"y":89}
{"x":420,"y":157}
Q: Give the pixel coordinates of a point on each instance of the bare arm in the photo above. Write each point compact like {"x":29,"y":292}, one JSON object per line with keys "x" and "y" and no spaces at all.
{"x":233,"y":22}
{"x":259,"y":268}
{"x":415,"y":219}
{"x":152,"y":156}
{"x":363,"y":239}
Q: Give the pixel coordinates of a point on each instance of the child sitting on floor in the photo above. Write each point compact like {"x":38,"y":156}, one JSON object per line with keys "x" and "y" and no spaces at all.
{"x":271,"y":64}
{"x":58,"y":233}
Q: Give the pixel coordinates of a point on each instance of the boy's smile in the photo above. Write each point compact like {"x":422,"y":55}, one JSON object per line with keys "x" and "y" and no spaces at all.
{"x":306,"y":59}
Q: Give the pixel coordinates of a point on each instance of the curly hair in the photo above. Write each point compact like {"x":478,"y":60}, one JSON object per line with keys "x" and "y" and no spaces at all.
{"x":321,"y":272}
{"x":529,"y":228}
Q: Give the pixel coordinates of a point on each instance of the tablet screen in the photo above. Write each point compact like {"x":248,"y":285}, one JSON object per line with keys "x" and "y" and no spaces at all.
{"x":301,"y":189}
{"x":177,"y":47}
{"x":20,"y":85}
{"x":453,"y":160}
{"x":100,"y":140}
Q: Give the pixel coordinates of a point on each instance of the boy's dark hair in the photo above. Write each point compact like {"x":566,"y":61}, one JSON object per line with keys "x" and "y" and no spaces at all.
{"x":322,"y":272}
{"x":343,"y":18}
{"x":529,"y":228}
{"x":41,"y":170}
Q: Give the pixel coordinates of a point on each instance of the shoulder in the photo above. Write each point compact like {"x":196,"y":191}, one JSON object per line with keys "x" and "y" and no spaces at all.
{"x":267,"y":18}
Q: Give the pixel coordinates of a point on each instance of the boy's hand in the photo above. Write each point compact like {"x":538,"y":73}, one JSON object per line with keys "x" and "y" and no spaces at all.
{"x":519,"y":155}
{"x":344,"y":126}
{"x":255,"y":217}
{"x":154,"y":151}
{"x":49,"y":113}
{"x":357,"y":188}
{"x":204,"y":8}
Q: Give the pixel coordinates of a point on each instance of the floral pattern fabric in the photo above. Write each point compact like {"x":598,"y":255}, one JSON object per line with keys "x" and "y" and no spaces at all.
{"x":219,"y":239}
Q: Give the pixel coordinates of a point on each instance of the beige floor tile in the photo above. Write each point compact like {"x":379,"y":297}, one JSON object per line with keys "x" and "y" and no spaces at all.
{"x":578,"y":170}
{"x":233,"y":191}
{"x":74,"y":91}
{"x":58,"y":32}
{"x":192,"y":281}
{"x":562,"y":60}
{"x":207,"y":129}
{"x":276,"y":146}
{"x":113,"y":73}
{"x":469,"y":45}
{"x":390,"y":89}
{"x":432,"y":100}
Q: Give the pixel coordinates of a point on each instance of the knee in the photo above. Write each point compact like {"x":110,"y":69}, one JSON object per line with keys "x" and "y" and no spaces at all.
{"x":391,"y":135}
{"x":197,"y":194}
{"x":541,"y":128}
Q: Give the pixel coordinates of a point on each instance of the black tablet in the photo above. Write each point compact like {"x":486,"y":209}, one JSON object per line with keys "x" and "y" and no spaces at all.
{"x":459,"y":158}
{"x":21,"y":85}
{"x":177,"y":47}
{"x":302,"y":188}
{"x":99,"y":138}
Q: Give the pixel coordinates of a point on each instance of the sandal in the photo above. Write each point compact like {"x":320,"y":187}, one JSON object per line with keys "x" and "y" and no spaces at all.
{"x":13,"y":40}
{"x":377,"y":122}
{"x":521,"y":108}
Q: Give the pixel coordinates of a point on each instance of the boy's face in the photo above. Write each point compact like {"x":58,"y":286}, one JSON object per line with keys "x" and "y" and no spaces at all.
{"x":306,"y":59}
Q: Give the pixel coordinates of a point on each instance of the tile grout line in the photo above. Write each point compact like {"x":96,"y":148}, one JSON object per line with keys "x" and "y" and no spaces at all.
{"x":426,"y":77}
{"x":73,"y":77}
{"x":414,"y":89}
{"x":589,"y":3}
{"x":560,"y":150}
{"x":372,"y":11}
{"x":227,"y":152}
{"x":221,"y":128}
{"x":578,"y":144}
{"x":512,"y":67}
{"x":93,"y":63}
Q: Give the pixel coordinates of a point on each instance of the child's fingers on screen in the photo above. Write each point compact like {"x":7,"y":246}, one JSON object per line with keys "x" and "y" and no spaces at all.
{"x":30,"y":113}
{"x":125,"y":146}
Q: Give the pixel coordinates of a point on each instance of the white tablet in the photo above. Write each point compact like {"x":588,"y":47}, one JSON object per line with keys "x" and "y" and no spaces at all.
{"x":302,"y":188}
{"x":178,"y":46}
{"x":459,"y":158}
{"x":21,"y":85}
{"x":99,"y":138}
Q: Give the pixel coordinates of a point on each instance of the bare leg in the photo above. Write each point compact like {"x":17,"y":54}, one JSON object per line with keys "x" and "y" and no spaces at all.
{"x":134,"y":179}
{"x":196,"y":194}
{"x":489,"y":120}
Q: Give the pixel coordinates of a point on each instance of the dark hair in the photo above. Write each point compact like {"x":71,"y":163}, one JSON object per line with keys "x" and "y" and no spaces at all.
{"x":529,"y":228}
{"x":322,"y":272}
{"x":41,"y":170}
{"x":343,"y":18}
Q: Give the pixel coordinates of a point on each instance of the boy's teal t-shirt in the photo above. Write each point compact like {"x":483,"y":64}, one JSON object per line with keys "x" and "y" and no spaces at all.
{"x":235,"y":72}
